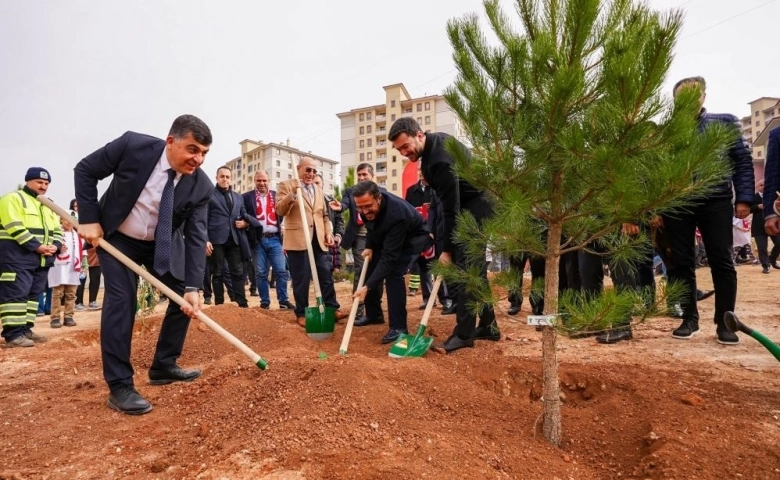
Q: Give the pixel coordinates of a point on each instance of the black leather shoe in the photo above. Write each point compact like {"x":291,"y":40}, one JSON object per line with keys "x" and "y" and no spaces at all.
{"x":363,"y":321}
{"x":765,"y":269}
{"x":454,"y":343}
{"x":491,"y":332}
{"x":703,"y":295}
{"x":127,"y":400}
{"x":451,"y":310}
{"x":392,"y":335}
{"x":614,"y":336}
{"x":173,"y":374}
{"x":513,"y":309}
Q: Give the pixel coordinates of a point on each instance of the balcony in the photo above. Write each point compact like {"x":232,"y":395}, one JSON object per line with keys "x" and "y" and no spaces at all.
{"x":381,"y":119}
{"x":381,"y":132}
{"x":381,"y":146}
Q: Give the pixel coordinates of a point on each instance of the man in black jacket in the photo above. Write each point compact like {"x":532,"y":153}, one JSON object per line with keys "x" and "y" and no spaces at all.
{"x":396,"y":234}
{"x":456,"y":195}
{"x":759,"y":233}
{"x":713,"y":215}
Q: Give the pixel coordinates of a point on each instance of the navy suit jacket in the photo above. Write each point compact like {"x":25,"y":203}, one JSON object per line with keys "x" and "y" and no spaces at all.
{"x":772,"y":172}
{"x":397,"y":230}
{"x":131,"y":159}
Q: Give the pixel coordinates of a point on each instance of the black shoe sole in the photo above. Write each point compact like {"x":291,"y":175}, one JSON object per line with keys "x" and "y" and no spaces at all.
{"x":128,"y":412}
{"x":166,"y":381}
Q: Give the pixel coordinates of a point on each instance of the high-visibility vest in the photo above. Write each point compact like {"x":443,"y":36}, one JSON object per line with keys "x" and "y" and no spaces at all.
{"x":24,"y":225}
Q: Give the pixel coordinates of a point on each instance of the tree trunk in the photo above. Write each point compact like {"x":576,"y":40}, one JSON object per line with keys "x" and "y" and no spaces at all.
{"x":551,"y":425}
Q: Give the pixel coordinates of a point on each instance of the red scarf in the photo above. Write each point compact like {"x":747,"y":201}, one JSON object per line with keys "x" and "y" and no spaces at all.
{"x":270,"y":210}
{"x":76,"y":253}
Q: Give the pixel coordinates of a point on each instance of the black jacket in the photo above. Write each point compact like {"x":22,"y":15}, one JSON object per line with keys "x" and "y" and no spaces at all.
{"x":456,"y":194}
{"x":397,"y":230}
{"x":742,"y":176}
{"x":417,"y":195}
{"x":757,"y":224}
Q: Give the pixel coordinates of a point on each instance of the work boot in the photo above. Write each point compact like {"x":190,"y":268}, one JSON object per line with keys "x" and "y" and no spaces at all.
{"x":19,"y":342}
{"x":35,"y":337}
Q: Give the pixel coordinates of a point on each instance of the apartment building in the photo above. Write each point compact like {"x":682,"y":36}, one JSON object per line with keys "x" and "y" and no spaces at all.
{"x":364,"y":132}
{"x":764,"y":115}
{"x":279,"y":160}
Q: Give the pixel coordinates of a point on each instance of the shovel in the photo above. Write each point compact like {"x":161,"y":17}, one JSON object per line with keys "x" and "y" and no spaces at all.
{"x":416,"y":345}
{"x":734,"y":325}
{"x":353,"y":312}
{"x":259,"y":361}
{"x":320,"y":320}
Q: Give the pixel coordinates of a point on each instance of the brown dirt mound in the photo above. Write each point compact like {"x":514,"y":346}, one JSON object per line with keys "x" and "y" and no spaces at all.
{"x":650,"y":408}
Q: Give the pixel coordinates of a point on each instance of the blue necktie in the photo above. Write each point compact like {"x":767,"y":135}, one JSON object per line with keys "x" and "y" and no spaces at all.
{"x":164,"y":234}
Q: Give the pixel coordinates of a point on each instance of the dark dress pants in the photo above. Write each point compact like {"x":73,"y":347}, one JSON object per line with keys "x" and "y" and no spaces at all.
{"x":762,"y":244}
{"x":300,"y":274}
{"x":231,"y":253}
{"x":119,"y":307}
{"x":537,"y":273}
{"x":714,"y":221}
{"x":396,"y":292}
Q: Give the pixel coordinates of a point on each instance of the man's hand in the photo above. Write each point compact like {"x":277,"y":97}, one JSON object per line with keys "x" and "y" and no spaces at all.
{"x":46,"y":250}
{"x":368,"y":254}
{"x":445,"y":258}
{"x":742,"y":210}
{"x":329,"y":240}
{"x":337,"y":240}
{"x":656,"y":221}
{"x":91,"y":232}
{"x":772,"y":225}
{"x":630,"y":229}
{"x":335,"y":205}
{"x":360,"y":293}
{"x":295,"y":184}
{"x":241,"y":224}
{"x":760,"y":206}
{"x":192,"y":307}
{"x":209,"y":249}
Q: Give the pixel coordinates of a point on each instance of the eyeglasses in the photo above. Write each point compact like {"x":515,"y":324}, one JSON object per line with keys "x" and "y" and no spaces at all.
{"x":310,"y":170}
{"x":364,"y":208}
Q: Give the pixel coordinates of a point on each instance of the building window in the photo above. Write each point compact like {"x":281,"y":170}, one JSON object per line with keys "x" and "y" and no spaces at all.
{"x":368,"y":129}
{"x":395,"y":172}
{"x":427,"y":119}
{"x":362,"y":130}
{"x":362,"y":144}
{"x":392,"y":103}
{"x":278,"y":163}
{"x":392,"y":117}
{"x":289,"y":165}
{"x":756,"y":113}
{"x":419,"y":107}
{"x":362,"y":157}
{"x":758,"y":153}
{"x":249,"y":169}
{"x":361,"y":118}
{"x":395,"y":186}
{"x":368,"y":144}
{"x":419,"y":120}
{"x":277,"y":174}
{"x":427,"y":106}
{"x":369,"y":156}
{"x":393,"y":158}
{"x":758,"y":124}
{"x":330,"y":176}
{"x":289,"y":176}
{"x":278,"y":152}
{"x":368,"y":116}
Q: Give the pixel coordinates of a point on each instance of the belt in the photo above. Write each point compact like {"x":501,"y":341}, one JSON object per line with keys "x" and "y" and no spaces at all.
{"x":269,"y":235}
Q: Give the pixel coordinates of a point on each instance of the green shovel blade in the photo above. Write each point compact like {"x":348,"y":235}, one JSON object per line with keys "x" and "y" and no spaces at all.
{"x":411,"y":345}
{"x":320,"y":321}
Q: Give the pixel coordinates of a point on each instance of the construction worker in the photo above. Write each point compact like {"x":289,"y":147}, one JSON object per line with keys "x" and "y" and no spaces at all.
{"x":30,"y":238}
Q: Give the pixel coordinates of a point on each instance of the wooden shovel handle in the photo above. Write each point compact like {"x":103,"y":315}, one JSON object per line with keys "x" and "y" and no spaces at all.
{"x":353,"y":311}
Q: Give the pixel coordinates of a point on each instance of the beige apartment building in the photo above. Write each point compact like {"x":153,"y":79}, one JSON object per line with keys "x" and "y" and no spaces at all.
{"x":364,"y":132}
{"x":764,"y":115}
{"x":279,"y":160}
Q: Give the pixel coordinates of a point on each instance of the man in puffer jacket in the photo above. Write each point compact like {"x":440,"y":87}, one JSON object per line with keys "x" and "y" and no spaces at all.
{"x":713,"y":216}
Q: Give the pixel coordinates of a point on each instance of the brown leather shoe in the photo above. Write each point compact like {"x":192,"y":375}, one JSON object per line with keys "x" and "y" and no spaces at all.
{"x":302,"y":321}
{"x":341,"y":315}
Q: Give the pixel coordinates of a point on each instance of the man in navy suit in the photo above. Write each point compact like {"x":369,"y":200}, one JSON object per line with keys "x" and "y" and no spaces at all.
{"x":772,"y":184}
{"x":227,"y":223}
{"x":266,"y":240}
{"x":154,"y":211}
{"x":396,"y":235}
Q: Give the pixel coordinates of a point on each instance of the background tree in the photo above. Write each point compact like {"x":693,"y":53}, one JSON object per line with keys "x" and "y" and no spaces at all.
{"x":572,"y":136}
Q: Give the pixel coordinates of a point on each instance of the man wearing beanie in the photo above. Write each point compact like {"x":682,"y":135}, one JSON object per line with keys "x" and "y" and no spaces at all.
{"x":154,"y":211}
{"x":30,"y":239}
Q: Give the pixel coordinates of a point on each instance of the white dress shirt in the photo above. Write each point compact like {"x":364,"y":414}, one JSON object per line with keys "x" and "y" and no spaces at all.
{"x":142,"y":221}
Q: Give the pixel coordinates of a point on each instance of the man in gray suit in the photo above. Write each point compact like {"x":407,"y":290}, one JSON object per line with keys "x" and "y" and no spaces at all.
{"x":154,"y":211}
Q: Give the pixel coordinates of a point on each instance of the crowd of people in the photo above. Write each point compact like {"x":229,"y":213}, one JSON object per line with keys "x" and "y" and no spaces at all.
{"x":163,"y":212}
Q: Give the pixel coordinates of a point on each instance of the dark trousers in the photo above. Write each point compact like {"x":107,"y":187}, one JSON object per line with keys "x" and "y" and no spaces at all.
{"x":375,"y":299}
{"x":465,"y":316}
{"x":94,"y":286}
{"x":714,"y":221}
{"x":119,"y":307}
{"x":80,"y":291}
{"x":426,"y":281}
{"x":396,"y":292}
{"x":231,"y":253}
{"x":19,"y":298}
{"x":762,"y":243}
{"x":537,"y":272}
{"x":300,"y":274}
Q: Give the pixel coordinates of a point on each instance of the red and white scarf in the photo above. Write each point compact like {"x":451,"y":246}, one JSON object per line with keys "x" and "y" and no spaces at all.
{"x":269,"y":216}
{"x":75,"y":250}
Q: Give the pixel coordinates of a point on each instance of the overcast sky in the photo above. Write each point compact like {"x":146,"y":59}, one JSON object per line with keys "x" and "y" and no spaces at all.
{"x":75,"y":74}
